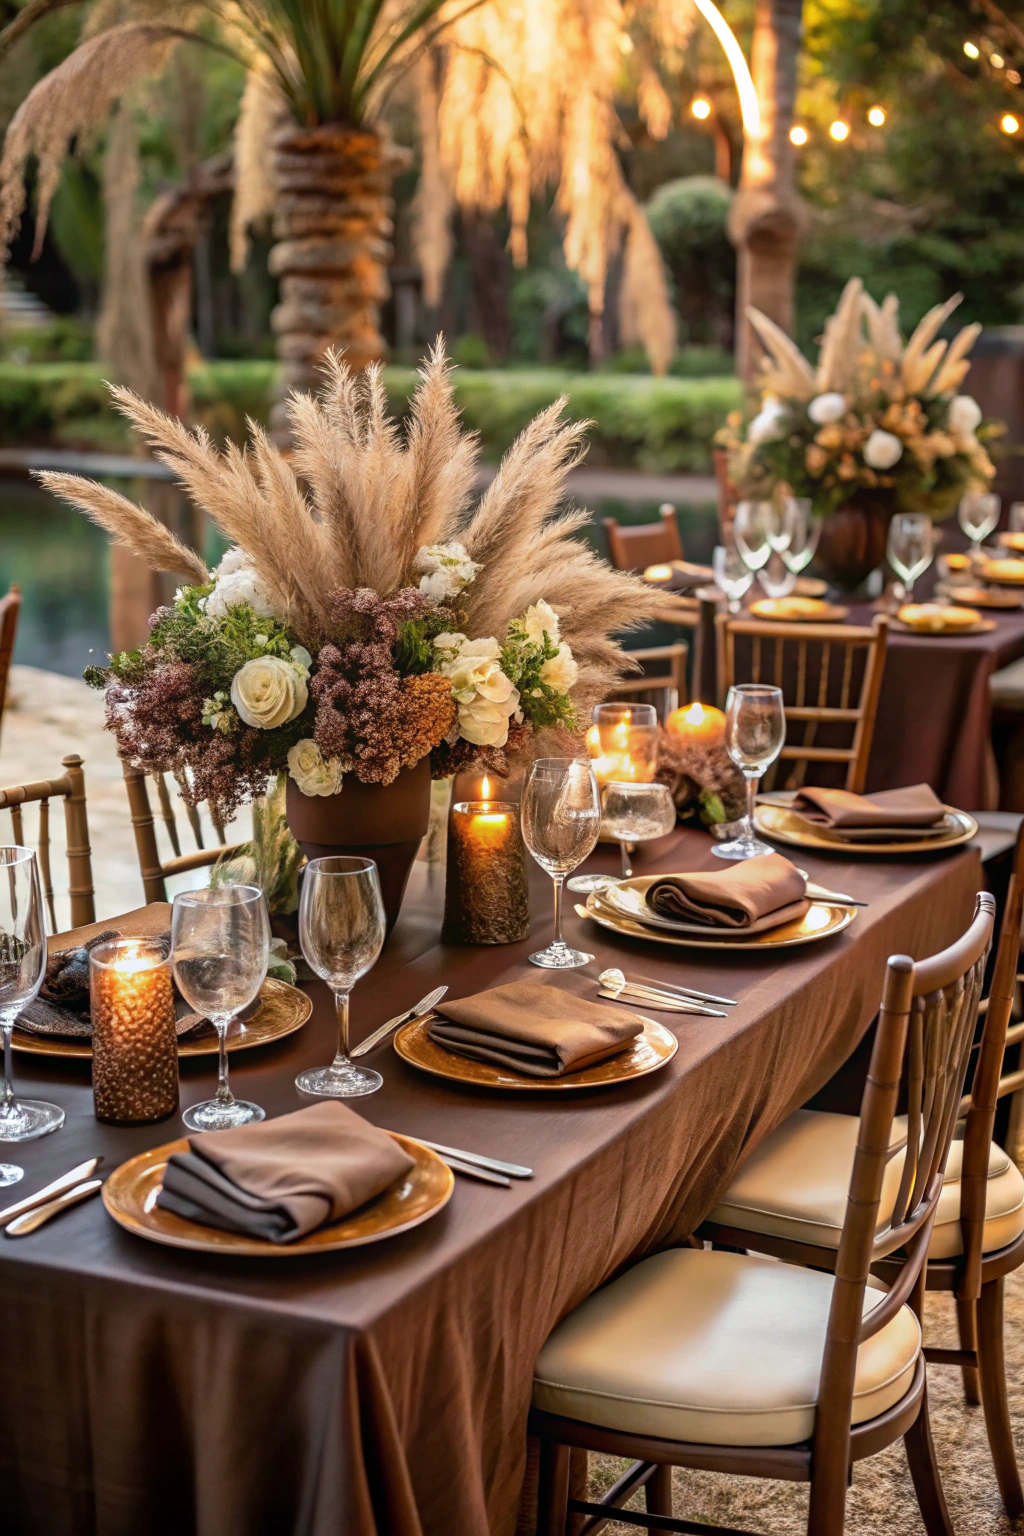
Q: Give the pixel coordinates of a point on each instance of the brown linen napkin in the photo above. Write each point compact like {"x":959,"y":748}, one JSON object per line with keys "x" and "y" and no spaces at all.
{"x":532,"y":1028}
{"x":283,"y":1178}
{"x":881,"y":817}
{"x":761,"y":892}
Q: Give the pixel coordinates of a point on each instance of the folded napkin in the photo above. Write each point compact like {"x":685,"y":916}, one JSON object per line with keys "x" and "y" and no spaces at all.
{"x":283,"y":1178}
{"x":532,"y":1028}
{"x":872,"y":818}
{"x":753,"y":895}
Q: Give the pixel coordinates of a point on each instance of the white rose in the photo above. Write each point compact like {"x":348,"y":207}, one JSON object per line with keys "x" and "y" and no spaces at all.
{"x":240,"y":586}
{"x":768,"y":424}
{"x":825,"y":408}
{"x":484,"y":722}
{"x":312,"y":772}
{"x":964,"y":415}
{"x":269,"y":692}
{"x":232,"y":560}
{"x":882,"y":450}
{"x":448,"y":644}
{"x":539,"y":619}
{"x":561,"y":671}
{"x":477,"y":669}
{"x":446,"y":569}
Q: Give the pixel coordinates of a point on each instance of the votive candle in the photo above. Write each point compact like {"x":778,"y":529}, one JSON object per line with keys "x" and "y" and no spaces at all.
{"x":486,"y":897}
{"x":134,"y":1041}
{"x":697,"y":722}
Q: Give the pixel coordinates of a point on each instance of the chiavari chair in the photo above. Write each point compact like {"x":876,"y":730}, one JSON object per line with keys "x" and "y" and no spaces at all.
{"x":70,"y":788}
{"x":10,"y":610}
{"x":830,"y":676}
{"x":634,"y":546}
{"x":155,"y":870}
{"x":728,"y":1362}
{"x":662,"y":681}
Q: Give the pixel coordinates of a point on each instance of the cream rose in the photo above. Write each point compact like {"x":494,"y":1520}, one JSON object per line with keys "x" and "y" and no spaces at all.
{"x":476,"y":668}
{"x":964,"y":415}
{"x":241,"y":585}
{"x":538,"y":620}
{"x":882,"y":450}
{"x":484,"y":722}
{"x":560,"y":672}
{"x":768,"y":424}
{"x":269,"y":692}
{"x":312,"y":772}
{"x":446,"y":569}
{"x":826,"y":408}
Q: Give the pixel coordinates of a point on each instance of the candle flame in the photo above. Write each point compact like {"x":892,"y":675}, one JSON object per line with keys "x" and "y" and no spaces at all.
{"x":485,"y":788}
{"x":695,"y":714}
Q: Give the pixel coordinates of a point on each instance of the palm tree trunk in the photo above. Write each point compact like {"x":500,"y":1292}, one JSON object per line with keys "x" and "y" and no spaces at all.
{"x":332,"y":217}
{"x":767,"y":218}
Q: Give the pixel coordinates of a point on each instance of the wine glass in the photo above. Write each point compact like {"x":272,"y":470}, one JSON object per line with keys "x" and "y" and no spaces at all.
{"x":636,"y":813}
{"x":782,"y":523}
{"x":751,"y":527}
{"x":978,"y":514}
{"x":755,"y":730}
{"x":22,"y":968}
{"x":805,"y":532}
{"x":561,"y":814}
{"x":623,"y":746}
{"x":220,"y":942}
{"x":341,"y":930}
{"x":777,"y":578}
{"x":910,"y":546}
{"x":733,"y":578}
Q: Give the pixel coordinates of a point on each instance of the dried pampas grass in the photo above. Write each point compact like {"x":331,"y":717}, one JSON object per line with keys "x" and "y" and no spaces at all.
{"x":131,"y":526}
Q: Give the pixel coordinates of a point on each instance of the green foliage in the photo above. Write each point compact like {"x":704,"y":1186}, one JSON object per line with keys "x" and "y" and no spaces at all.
{"x":270,"y":860}
{"x":522,"y":661}
{"x":64,"y":339}
{"x":688,"y":217}
{"x":413,"y":652}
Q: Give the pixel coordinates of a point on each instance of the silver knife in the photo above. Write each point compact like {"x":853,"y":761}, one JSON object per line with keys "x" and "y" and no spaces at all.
{"x":423,"y":1006}
{"x":665,"y":1004}
{"x":471,"y":1171}
{"x":21,"y":1226}
{"x":495,"y":1164}
{"x":668,"y":986}
{"x":58,"y":1186}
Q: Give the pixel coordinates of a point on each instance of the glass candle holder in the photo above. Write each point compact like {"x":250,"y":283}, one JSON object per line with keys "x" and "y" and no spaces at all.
{"x":486,"y":899}
{"x":134,"y":1042}
{"x":623,"y":743}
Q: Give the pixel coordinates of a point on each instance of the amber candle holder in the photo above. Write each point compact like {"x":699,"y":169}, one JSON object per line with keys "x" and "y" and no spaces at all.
{"x":134,"y":1042}
{"x":486,"y":899}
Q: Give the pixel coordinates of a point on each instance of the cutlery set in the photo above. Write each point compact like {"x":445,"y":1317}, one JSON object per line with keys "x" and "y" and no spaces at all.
{"x":28,"y":1214}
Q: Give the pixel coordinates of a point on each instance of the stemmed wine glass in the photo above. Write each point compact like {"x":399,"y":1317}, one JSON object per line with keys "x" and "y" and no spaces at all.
{"x":733,"y":577}
{"x":910,"y":546}
{"x":751,"y":528}
{"x":22,"y":968}
{"x":1016,"y":517}
{"x":561,"y":815}
{"x":778,"y":578}
{"x":341,"y":931}
{"x":636,"y":813}
{"x":220,"y":942}
{"x":755,"y":730}
{"x":804,"y":536}
{"x":978,"y":514}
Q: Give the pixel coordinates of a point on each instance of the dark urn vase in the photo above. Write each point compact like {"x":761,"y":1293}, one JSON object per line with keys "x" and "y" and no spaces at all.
{"x":383,"y":822}
{"x":852,"y":543}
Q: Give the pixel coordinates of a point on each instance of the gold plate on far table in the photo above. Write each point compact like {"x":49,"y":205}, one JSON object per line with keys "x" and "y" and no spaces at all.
{"x":283,"y":1009}
{"x":798,"y":610}
{"x":819,"y":922}
{"x":1007,"y":572}
{"x":986,"y":597}
{"x":130,"y":1198}
{"x":649,"y":1051}
{"x":780,"y":824}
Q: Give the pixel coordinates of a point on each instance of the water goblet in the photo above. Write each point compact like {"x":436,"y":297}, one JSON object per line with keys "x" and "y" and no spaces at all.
{"x":978,"y":514}
{"x":777,"y":578}
{"x":636,"y":813}
{"x":22,"y":968}
{"x":751,"y":527}
{"x":910,"y":547}
{"x":623,"y":745}
{"x":733,"y":577}
{"x":755,"y":731}
{"x":342,"y":927}
{"x":561,"y":814}
{"x":220,"y":942}
{"x":804,"y":534}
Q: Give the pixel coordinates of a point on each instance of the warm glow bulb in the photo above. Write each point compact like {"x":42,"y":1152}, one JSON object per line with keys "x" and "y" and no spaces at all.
{"x":700,"y":107}
{"x":1008,"y":123}
{"x":750,"y":107}
{"x":798,"y":135}
{"x":996,"y":60}
{"x":839,"y":130}
{"x":1013,"y":76}
{"x":971,"y":50}
{"x":876,"y":117}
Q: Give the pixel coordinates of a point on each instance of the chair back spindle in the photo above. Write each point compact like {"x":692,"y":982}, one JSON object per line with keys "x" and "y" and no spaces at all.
{"x":632,"y":547}
{"x":70,"y":788}
{"x":155,"y":870}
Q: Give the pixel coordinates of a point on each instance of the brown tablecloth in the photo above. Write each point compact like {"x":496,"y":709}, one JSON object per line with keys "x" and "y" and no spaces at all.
{"x":384,"y":1391}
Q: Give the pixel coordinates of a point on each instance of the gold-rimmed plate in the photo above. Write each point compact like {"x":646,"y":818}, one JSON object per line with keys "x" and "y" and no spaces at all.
{"x":649,"y":1051}
{"x":986,"y":597}
{"x":780,"y":824}
{"x":818,"y":922}
{"x":283,"y":1009}
{"x":130,"y":1198}
{"x":798,"y":610}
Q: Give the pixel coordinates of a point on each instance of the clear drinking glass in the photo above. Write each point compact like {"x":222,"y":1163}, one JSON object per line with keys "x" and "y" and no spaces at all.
{"x":755,"y":731}
{"x":910,"y":546}
{"x":561,"y":814}
{"x":341,"y":930}
{"x":732,"y":577}
{"x":22,"y":968}
{"x":978,"y":514}
{"x":220,"y":941}
{"x":781,"y":524}
{"x":777,"y":578}
{"x":636,"y":813}
{"x":751,"y":527}
{"x":623,"y":746}
{"x":804,"y":534}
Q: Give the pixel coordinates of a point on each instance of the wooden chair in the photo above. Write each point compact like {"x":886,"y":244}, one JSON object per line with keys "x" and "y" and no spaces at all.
{"x":155,"y":870}
{"x":727,"y":495}
{"x":731,"y":1363}
{"x":70,"y":788}
{"x":633,"y":547}
{"x":10,"y":610}
{"x":662,"y":681}
{"x":824,"y":687}
{"x":787,"y":1198}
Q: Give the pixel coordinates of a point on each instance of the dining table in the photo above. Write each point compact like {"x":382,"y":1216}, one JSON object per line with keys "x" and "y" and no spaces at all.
{"x":384,"y":1390}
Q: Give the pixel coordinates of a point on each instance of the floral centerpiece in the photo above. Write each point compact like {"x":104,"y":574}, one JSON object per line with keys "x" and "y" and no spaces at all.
{"x":368,"y":627}
{"x":877,"y":427}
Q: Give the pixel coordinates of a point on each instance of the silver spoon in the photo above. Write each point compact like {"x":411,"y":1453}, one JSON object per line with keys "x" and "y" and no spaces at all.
{"x":613,"y":977}
{"x":654,"y":998}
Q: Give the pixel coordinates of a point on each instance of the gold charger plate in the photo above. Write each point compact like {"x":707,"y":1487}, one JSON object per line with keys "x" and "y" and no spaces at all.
{"x":798,"y":610}
{"x":649,"y":1051}
{"x":283,"y":1009}
{"x":1008,"y":572}
{"x":982,"y":627}
{"x":985,"y":597}
{"x":819,"y":922}
{"x":130,"y":1198}
{"x":780,"y":824}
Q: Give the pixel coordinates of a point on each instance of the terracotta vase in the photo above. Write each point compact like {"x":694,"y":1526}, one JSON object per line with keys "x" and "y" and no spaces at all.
{"x":383,"y":822}
{"x":852,"y":543}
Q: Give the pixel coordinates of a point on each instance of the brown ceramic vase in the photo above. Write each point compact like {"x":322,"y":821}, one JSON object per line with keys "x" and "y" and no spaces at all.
{"x":852,"y":543}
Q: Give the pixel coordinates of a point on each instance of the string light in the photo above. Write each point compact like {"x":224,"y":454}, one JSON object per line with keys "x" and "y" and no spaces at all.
{"x":972,"y":50}
{"x":839,"y":130}
{"x":1013,"y":77}
{"x":876,"y":117}
{"x":700,"y":107}
{"x":996,"y":60}
{"x":1008,"y":123}
{"x":798,"y":135}
{"x":750,"y":107}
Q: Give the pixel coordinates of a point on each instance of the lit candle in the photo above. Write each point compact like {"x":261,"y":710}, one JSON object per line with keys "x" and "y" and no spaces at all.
{"x":658,"y":573}
{"x":697,"y":723}
{"x":623,"y":751}
{"x":134,"y":1041}
{"x":485,"y":898}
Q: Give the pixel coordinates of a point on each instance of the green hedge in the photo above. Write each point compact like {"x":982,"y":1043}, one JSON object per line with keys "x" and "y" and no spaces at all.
{"x":639,"y":422}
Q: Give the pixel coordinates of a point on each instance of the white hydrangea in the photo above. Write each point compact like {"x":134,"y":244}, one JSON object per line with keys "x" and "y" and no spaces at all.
{"x":539,"y":619}
{"x":882,"y":450}
{"x":964,"y":415}
{"x":445,"y":569}
{"x":241,"y":584}
{"x":826,"y":408}
{"x":768,"y":424}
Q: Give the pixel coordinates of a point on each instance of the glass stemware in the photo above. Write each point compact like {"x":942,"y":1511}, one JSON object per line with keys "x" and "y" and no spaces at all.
{"x":755,"y":731}
{"x":751,"y":527}
{"x":220,"y":942}
{"x":733,"y":577}
{"x":22,"y":968}
{"x":978,"y":514}
{"x":1016,"y":524}
{"x":636,"y":813}
{"x":623,"y":746}
{"x":341,"y":931}
{"x":561,"y":813}
{"x":805,"y":531}
{"x":910,"y":546}
{"x":777,"y":578}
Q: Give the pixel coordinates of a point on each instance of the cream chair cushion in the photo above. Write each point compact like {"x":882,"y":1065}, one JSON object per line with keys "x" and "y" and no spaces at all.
{"x":795,"y":1186}
{"x":714,"y":1349}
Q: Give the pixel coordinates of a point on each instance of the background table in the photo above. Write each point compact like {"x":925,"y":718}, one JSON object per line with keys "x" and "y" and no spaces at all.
{"x":385,"y":1390}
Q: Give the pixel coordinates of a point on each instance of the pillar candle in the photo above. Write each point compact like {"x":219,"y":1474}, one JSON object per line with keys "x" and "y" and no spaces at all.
{"x":697,"y":723}
{"x":134,"y":1042}
{"x":485,"y":899}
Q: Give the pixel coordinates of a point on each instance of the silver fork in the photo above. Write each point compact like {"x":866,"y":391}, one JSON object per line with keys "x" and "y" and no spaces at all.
{"x":422,"y":1007}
